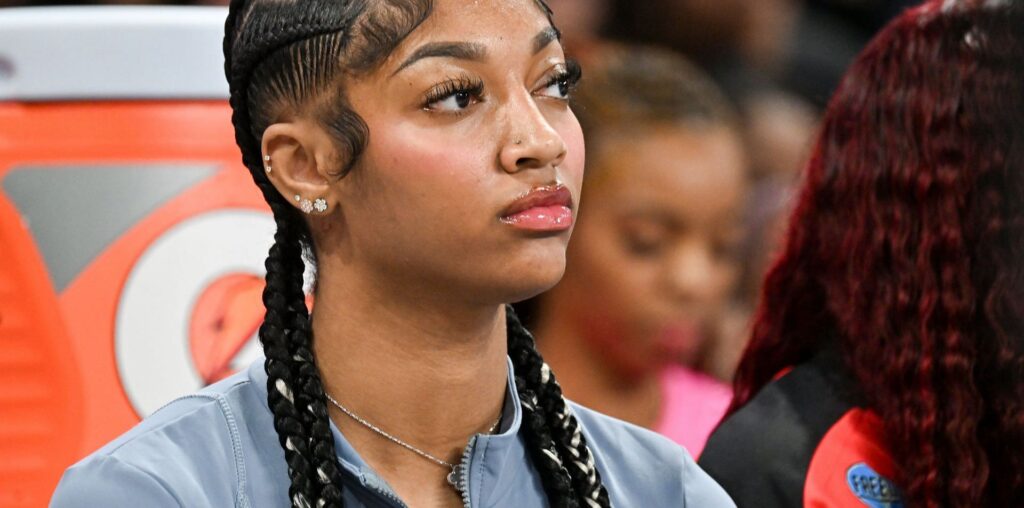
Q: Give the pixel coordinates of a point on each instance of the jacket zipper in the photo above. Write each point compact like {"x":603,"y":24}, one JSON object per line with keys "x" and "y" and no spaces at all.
{"x":385,"y":493}
{"x":462,"y":477}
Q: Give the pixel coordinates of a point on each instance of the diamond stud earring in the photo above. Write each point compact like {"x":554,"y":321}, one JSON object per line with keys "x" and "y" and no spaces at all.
{"x":307,"y":206}
{"x":266,"y":158}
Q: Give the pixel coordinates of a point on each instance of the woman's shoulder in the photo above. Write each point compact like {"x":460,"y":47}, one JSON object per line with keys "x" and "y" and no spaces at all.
{"x":189,"y":447}
{"x":767,"y":453}
{"x":639,"y":464}
{"x":758,"y":451}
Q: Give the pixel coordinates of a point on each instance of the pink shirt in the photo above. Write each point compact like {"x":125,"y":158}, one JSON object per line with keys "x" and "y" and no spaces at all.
{"x":693,"y":405}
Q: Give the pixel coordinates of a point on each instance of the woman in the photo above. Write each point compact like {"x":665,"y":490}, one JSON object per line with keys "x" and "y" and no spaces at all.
{"x":424,"y":156}
{"x":654,"y":260}
{"x":898,"y":297}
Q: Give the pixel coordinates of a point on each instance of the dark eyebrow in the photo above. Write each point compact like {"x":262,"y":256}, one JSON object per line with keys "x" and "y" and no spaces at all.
{"x":460,"y":50}
{"x":545,"y":37}
{"x":472,"y":51}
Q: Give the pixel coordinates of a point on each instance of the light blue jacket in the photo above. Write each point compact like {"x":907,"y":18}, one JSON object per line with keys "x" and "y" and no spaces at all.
{"x":218,"y":448}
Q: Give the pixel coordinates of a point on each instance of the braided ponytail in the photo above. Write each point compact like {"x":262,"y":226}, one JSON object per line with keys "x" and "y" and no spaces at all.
{"x":281,"y":55}
{"x":295,"y":394}
{"x":541,"y":395}
{"x":278,"y":334}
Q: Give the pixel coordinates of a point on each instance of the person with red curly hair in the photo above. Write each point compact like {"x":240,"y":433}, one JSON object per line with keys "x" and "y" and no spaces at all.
{"x":886,"y":365}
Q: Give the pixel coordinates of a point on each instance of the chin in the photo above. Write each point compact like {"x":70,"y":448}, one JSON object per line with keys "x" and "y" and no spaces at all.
{"x":529,"y":276}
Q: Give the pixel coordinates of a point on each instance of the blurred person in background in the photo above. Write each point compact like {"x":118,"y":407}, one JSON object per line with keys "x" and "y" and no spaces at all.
{"x":750,"y":49}
{"x":886,"y":365}
{"x":655,"y":257}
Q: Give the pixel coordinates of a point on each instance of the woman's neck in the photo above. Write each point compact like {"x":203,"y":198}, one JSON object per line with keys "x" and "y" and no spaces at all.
{"x":428,"y":372}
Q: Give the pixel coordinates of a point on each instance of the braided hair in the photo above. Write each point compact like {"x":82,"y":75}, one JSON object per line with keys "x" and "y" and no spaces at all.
{"x":293,"y":57}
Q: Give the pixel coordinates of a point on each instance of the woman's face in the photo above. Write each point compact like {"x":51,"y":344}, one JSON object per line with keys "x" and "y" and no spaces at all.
{"x":655,"y":254}
{"x":466,"y":117}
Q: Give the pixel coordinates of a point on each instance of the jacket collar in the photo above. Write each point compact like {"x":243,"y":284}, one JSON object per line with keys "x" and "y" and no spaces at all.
{"x":493,"y":464}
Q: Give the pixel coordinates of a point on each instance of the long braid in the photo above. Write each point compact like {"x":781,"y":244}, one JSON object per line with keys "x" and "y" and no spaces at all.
{"x":279,"y":293}
{"x":554,"y":477}
{"x":275,"y":333}
{"x":312,"y":397}
{"x":312,"y":466}
{"x":541,"y":393}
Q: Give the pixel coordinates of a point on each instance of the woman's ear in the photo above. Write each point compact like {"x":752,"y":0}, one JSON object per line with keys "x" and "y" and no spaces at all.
{"x":296,"y":157}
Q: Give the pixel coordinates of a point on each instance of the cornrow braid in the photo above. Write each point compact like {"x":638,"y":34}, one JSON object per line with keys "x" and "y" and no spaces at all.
{"x":541,"y":394}
{"x":283,"y":57}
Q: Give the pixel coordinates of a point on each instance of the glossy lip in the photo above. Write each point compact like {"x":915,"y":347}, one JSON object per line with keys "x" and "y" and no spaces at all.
{"x":548,"y":195}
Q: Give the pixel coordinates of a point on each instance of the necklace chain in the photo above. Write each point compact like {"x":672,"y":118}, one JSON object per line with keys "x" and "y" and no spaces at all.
{"x":397,"y":441}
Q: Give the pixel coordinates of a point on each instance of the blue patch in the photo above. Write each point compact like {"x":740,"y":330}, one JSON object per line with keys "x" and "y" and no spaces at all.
{"x":872,"y":488}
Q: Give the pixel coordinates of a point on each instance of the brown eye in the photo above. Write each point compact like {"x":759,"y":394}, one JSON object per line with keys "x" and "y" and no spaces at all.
{"x":453,"y":103}
{"x":558,"y":89}
{"x":562,"y":83}
{"x":454,"y":96}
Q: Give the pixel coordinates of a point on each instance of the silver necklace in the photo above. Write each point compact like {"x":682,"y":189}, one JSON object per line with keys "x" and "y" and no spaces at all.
{"x":452,"y":476}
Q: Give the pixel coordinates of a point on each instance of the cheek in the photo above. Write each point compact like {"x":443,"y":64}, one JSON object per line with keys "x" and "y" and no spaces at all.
{"x":427,"y":156}
{"x":419,"y":187}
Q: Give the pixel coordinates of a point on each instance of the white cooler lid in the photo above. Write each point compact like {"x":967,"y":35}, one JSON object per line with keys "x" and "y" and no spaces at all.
{"x":112,"y":52}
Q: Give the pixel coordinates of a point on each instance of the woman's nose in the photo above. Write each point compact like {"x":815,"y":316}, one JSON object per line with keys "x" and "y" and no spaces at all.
{"x":532,"y":142}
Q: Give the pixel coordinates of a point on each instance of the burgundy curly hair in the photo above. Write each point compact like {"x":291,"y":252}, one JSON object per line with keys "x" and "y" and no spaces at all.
{"x":907,"y":245}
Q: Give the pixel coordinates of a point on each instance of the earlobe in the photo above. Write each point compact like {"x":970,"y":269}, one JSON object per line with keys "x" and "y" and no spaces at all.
{"x":307,"y":206}
{"x":292,"y":157}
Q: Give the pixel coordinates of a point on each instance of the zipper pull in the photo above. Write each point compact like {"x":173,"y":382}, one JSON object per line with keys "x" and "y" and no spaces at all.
{"x":453,"y":479}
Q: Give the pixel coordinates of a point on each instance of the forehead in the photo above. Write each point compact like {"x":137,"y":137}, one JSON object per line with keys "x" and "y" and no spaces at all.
{"x":678,"y":168}
{"x":471,"y":12}
{"x":673,"y":154}
{"x":482,"y":21}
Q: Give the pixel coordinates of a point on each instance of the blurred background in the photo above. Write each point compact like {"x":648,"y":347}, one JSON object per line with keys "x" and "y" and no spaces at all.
{"x":132,"y":240}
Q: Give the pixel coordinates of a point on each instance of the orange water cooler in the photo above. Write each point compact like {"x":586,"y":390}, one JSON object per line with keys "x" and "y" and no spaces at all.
{"x":131,"y":238}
